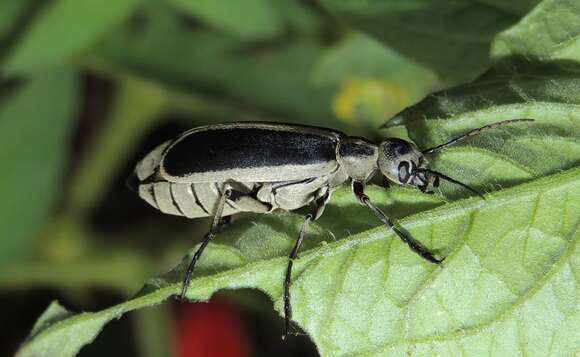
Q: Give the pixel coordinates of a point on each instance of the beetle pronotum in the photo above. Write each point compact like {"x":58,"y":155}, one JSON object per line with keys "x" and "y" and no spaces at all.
{"x":219,"y":170}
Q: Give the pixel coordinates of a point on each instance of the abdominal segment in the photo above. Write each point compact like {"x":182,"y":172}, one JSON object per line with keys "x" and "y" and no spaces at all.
{"x":191,"y":200}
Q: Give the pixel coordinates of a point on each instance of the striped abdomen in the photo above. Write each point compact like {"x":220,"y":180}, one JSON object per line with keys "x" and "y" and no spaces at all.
{"x":184,"y":199}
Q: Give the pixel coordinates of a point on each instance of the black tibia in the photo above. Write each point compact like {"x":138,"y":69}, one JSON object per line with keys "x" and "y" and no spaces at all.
{"x":319,"y":205}
{"x":472,"y":133}
{"x":216,"y":224}
{"x":358,"y":190}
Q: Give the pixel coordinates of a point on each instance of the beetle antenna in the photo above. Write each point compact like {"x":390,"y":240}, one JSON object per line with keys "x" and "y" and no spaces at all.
{"x":447,"y":178}
{"x":470,"y":134}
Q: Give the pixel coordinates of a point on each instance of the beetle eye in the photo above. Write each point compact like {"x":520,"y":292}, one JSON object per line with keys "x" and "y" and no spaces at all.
{"x":404,"y":171}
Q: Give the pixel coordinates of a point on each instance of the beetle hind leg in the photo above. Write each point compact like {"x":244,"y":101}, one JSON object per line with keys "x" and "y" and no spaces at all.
{"x":316,"y":212}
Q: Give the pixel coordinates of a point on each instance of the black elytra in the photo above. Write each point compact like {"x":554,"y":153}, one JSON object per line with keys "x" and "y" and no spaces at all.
{"x":243,"y":148}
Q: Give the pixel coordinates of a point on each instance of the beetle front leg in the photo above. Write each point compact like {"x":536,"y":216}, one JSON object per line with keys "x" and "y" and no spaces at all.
{"x":386,"y":183}
{"x":425,"y":189}
{"x":317,"y":212}
{"x":358,"y":190}
{"x":214,"y":228}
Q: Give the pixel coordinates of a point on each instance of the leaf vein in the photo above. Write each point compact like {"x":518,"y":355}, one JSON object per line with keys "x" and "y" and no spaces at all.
{"x":473,"y":330}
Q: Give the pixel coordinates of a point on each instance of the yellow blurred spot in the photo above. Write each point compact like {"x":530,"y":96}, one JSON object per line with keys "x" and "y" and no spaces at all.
{"x":369,"y":100}
{"x":64,"y":240}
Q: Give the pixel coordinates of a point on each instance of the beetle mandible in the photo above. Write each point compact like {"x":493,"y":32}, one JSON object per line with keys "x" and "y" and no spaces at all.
{"x":219,"y":170}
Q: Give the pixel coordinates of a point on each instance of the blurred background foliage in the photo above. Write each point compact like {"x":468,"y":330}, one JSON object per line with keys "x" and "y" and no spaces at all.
{"x":87,"y":87}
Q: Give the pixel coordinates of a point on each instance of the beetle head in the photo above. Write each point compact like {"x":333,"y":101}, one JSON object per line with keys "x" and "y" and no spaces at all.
{"x":402,"y":162}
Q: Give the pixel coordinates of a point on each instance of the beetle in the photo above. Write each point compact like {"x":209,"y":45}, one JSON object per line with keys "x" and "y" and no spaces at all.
{"x":223,"y":169}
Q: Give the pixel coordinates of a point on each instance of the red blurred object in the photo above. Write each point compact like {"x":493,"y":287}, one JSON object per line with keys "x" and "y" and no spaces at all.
{"x":212,"y":329}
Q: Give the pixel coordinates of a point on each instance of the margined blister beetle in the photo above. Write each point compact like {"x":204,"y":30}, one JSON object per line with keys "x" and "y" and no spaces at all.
{"x":223,"y":169}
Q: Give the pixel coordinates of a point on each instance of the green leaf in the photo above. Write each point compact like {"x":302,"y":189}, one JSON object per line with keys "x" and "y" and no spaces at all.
{"x":251,"y":20}
{"x":299,"y":16}
{"x":120,"y":271}
{"x":358,"y":55}
{"x":248,"y":19}
{"x":374,"y":82}
{"x":509,"y":285}
{"x":549,"y":32}
{"x":63,"y":29}
{"x":67,"y":344}
{"x":510,"y":154}
{"x":451,"y":37}
{"x":35,"y":122}
{"x":137,"y":105}
{"x":53,"y":313}
{"x":274,"y":81}
{"x":518,"y":7}
{"x":536,"y":76}
{"x":10,"y":12}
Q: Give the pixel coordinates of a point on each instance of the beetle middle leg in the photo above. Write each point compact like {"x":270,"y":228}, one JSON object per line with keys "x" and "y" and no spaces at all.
{"x":214,"y":228}
{"x":433,"y":182}
{"x":358,"y":190}
{"x":315,"y":214}
{"x":241,"y":201}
